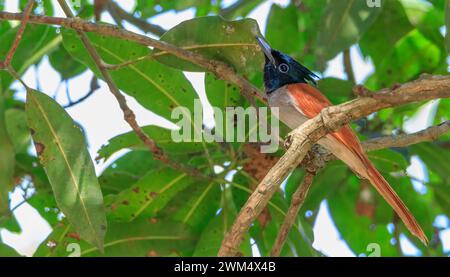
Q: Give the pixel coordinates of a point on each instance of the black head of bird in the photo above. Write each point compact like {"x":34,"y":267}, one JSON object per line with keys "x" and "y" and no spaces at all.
{"x":281,"y":69}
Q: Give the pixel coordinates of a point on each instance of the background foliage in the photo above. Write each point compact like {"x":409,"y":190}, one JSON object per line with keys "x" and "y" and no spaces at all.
{"x":153,"y":210}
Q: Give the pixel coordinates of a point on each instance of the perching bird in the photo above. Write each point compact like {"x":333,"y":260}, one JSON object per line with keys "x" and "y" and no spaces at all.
{"x":288,"y":87}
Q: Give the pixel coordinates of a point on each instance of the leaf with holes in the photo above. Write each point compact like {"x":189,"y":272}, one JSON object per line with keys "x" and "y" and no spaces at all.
{"x":127,"y":170}
{"x":232,"y":42}
{"x":149,"y":195}
{"x":195,"y":205}
{"x":62,"y":151}
{"x":211,"y":238}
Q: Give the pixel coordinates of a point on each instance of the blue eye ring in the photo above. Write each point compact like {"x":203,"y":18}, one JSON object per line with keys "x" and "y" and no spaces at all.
{"x":283,"y":68}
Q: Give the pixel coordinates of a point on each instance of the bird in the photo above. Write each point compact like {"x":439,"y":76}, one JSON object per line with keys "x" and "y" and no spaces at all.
{"x":291,"y":87}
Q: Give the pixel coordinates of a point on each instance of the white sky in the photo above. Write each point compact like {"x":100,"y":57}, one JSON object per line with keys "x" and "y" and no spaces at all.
{"x":102,"y":119}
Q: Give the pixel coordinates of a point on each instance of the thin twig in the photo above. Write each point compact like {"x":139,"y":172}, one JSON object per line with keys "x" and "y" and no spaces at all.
{"x":129,"y":115}
{"x":229,"y":11}
{"x":298,"y":198}
{"x":403,"y":140}
{"x":305,"y":136}
{"x":145,"y":26}
{"x":93,"y":88}
{"x":348,"y":67}
{"x":16,"y":76}
{"x":429,"y":134}
{"x":220,"y":69}
{"x":19,"y":34}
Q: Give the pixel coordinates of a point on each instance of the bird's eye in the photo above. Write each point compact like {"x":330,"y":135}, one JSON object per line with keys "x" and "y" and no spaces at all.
{"x":283,"y":68}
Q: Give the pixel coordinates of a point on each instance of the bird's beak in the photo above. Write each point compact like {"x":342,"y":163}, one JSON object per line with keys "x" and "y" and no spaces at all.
{"x":266,"y":49}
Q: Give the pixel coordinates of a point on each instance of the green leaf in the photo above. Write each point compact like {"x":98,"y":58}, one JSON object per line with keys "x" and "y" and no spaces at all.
{"x":282,"y":29}
{"x":16,"y":124}
{"x":239,"y":9}
{"x":300,"y":237}
{"x":65,"y":64}
{"x":161,"y":136}
{"x":343,"y":23}
{"x":211,"y":238}
{"x":10,"y":223}
{"x":293,"y":182}
{"x":195,"y":205}
{"x":7,"y":160}
{"x":435,"y":158}
{"x":62,"y":151}
{"x":155,"y":86}
{"x":6,"y":251}
{"x":421,"y":13}
{"x":37,"y":41}
{"x":232,"y":42}
{"x":413,"y":54}
{"x":422,"y":206}
{"x":140,"y":238}
{"x":127,"y":170}
{"x":387,"y":160}
{"x":29,"y":165}
{"x":148,"y":195}
{"x":294,"y":29}
{"x":222,"y":95}
{"x":337,"y":90}
{"x":357,"y":230}
{"x":44,"y":202}
{"x":149,"y":8}
{"x":442,"y":196}
{"x":376,"y":42}
{"x":325,"y":183}
{"x":447,"y":25}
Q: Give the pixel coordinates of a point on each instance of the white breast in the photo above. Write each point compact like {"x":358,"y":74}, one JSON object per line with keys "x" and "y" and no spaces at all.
{"x":287,"y":111}
{"x":293,"y":117}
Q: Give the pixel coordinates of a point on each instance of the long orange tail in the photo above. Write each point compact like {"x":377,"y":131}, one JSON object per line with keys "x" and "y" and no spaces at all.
{"x":396,"y":203}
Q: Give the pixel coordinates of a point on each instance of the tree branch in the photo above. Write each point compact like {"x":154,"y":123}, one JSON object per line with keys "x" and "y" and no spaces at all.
{"x":303,"y":137}
{"x":129,"y":115}
{"x":430,"y":134}
{"x":145,"y":26}
{"x":229,"y":11}
{"x":19,"y":34}
{"x":298,"y":198}
{"x":221,"y":69}
{"x":347,"y":60}
{"x":93,"y":88}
